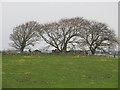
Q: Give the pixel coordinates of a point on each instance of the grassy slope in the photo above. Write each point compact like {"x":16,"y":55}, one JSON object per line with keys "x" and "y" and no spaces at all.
{"x":0,"y":71}
{"x":60,"y":71}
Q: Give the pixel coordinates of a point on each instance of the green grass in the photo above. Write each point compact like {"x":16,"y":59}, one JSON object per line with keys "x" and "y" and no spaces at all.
{"x":59,"y":71}
{"x":0,"y":71}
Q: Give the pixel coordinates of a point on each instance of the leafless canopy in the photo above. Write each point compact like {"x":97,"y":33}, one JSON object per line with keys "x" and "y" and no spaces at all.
{"x":24,"y":35}
{"x":85,"y":33}
{"x":97,"y":35}
{"x":65,"y":34}
{"x":59,"y":34}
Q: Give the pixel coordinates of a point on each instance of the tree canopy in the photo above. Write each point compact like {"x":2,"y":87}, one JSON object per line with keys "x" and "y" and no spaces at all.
{"x":24,"y":35}
{"x":65,"y":34}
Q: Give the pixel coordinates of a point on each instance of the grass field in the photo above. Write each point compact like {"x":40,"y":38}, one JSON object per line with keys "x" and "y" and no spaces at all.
{"x":59,"y":71}
{"x":0,"y":71}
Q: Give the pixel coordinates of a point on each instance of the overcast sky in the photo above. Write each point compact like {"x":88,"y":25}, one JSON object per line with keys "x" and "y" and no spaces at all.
{"x":14,"y":14}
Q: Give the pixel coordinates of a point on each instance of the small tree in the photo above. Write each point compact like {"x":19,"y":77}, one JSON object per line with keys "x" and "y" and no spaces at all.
{"x":24,"y":35}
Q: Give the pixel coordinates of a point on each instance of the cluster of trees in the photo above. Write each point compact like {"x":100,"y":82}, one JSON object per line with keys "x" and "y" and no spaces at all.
{"x":66,"y":33}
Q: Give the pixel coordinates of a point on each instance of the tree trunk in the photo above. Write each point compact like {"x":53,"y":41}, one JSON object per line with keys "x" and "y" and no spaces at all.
{"x":64,"y":48}
{"x":92,"y":51}
{"x":22,"y":49}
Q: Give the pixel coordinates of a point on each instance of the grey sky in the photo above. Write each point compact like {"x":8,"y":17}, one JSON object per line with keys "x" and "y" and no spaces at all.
{"x":14,"y":14}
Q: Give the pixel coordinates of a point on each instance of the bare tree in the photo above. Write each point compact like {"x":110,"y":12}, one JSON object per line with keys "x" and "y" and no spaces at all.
{"x":24,"y":35}
{"x":64,"y":34}
{"x":97,"y":35}
{"x":60,"y":34}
